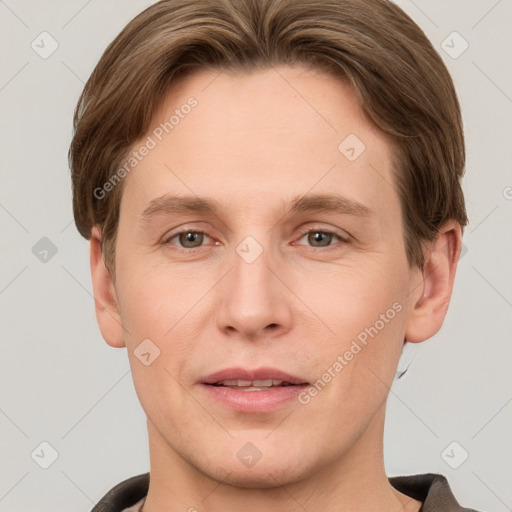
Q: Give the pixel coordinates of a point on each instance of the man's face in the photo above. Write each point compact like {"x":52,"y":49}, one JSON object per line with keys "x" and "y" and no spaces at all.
{"x":259,"y":284}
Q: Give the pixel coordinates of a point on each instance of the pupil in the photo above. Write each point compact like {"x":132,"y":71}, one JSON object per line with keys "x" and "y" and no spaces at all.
{"x":317,"y":237}
{"x":191,"y":237}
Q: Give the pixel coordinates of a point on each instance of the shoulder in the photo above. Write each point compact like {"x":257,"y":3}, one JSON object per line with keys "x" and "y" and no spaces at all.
{"x":430,"y":488}
{"x":124,"y":495}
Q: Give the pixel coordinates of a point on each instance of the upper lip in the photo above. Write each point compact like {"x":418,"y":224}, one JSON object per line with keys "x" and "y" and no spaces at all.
{"x":263,"y":373}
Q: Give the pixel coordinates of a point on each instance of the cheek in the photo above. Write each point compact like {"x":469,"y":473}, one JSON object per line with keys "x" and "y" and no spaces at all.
{"x":363,"y":317}
{"x":160,"y":320}
{"x":152,"y":301}
{"x":161,"y":331}
{"x":347,"y":297}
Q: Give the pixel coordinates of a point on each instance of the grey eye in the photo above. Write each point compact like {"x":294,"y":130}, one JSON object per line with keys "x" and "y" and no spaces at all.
{"x":322,"y":238}
{"x":190,"y":239}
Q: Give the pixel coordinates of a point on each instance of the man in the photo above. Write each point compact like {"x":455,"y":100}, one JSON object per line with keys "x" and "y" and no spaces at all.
{"x":271,"y":189}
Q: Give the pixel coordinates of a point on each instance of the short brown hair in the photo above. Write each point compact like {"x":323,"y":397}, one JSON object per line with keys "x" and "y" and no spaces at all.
{"x":402,"y":84}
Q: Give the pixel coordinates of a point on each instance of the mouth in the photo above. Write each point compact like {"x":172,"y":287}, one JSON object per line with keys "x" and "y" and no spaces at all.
{"x":261,"y":378}
{"x":254,"y":385}
{"x":260,"y":390}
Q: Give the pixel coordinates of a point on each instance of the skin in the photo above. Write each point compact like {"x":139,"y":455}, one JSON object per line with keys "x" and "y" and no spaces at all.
{"x":297,"y":307}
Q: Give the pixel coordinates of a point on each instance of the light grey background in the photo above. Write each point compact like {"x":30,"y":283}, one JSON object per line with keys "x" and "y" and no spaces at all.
{"x":60,"y":383}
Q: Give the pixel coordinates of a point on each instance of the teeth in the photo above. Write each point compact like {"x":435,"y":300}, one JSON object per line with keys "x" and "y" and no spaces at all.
{"x":262,"y":383}
{"x":248,"y":383}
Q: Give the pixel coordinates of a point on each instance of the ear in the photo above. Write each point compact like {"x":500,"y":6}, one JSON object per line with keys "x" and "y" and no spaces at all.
{"x":107,"y":313}
{"x":432,"y":296}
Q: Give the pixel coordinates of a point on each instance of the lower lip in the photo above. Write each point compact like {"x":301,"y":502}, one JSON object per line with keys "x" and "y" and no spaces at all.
{"x":254,"y":401}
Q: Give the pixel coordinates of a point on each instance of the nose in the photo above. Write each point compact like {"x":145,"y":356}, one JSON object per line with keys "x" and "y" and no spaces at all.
{"x":253,"y":301}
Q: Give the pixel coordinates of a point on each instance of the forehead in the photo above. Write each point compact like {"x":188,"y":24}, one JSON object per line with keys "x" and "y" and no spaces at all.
{"x":254,"y":139}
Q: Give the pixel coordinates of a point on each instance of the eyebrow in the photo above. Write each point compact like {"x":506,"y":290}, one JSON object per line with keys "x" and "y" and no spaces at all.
{"x":312,"y":203}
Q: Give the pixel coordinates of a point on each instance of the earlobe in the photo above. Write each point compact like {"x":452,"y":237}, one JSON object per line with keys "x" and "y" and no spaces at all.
{"x":432,"y":297}
{"x":105,"y":301}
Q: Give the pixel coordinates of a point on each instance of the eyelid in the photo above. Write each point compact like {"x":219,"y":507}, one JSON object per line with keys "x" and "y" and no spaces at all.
{"x":344,"y":238}
{"x":186,"y":228}
{"x":332,"y":231}
{"x":167,"y":238}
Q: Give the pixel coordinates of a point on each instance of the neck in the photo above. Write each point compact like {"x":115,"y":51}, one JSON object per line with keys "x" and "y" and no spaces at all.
{"x":355,"y":481}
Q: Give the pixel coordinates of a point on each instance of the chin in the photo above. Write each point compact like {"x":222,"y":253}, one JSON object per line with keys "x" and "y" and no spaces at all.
{"x":262,"y":478}
{"x":265,"y":474}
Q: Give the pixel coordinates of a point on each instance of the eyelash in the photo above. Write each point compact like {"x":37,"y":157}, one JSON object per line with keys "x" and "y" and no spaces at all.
{"x":342,"y":239}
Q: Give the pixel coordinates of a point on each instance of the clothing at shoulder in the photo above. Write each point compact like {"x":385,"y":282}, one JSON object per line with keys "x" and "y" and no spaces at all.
{"x":125,"y":495}
{"x":432,"y":489}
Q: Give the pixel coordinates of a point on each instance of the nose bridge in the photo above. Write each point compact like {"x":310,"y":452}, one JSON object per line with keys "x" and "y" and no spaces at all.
{"x":251,"y":297}
{"x":251,"y":275}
